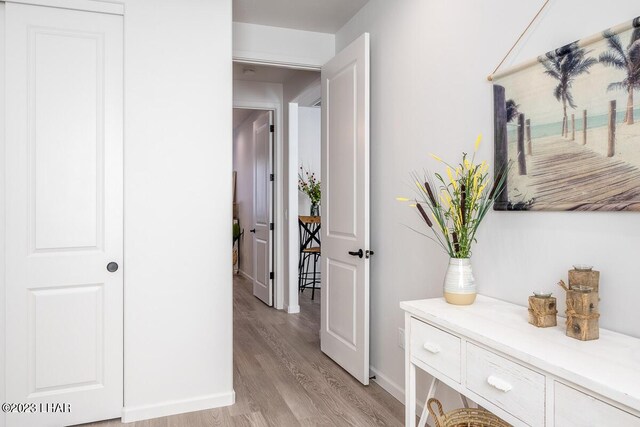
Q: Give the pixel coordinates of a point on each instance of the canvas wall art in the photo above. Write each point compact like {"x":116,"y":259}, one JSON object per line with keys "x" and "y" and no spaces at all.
{"x":568,"y":123}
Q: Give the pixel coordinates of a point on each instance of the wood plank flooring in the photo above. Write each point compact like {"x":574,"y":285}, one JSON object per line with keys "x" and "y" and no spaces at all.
{"x":568,"y":176}
{"x":281,"y":377}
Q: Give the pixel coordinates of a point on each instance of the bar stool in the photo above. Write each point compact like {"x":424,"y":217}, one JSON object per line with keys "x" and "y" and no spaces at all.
{"x":309,"y":252}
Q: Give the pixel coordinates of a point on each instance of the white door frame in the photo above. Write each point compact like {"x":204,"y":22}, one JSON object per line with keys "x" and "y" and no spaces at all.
{"x":286,"y":282}
{"x":2,"y":215}
{"x":307,"y":98}
{"x":279,"y":187}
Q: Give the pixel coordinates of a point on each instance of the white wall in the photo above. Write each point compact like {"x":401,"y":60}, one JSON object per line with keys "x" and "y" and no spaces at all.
{"x":429,"y":94}
{"x":309,"y":127}
{"x":243,"y":164}
{"x":254,"y":93}
{"x":274,"y":45}
{"x":178,"y":291}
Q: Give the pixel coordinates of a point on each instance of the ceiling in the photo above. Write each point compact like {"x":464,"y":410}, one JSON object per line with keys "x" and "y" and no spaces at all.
{"x":324,"y":16}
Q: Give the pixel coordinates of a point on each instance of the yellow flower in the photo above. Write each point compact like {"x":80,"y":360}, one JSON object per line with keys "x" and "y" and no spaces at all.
{"x":413,"y":205}
{"x":402,"y":199}
{"x":438,"y":222}
{"x":435,"y":157}
{"x":478,"y":141}
{"x":420,"y":186}
{"x":446,"y":199}
{"x":453,"y":181}
{"x":467,"y":164}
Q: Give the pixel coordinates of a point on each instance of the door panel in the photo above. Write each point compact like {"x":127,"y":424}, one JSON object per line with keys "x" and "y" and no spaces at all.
{"x":342,"y":143}
{"x":58,"y":321}
{"x":65,"y":189}
{"x":345,"y":209}
{"x":262,"y":211}
{"x":64,"y":178}
{"x":341,"y":322}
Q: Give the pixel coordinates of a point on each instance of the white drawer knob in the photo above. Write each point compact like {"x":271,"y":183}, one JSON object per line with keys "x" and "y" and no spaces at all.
{"x":499,"y":384}
{"x":432,"y":348}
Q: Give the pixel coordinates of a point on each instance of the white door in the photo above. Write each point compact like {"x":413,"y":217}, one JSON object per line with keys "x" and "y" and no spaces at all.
{"x":64,"y":220}
{"x":263,"y":208}
{"x":344,"y":332}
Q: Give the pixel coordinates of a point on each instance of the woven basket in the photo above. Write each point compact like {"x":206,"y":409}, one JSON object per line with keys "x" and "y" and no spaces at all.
{"x":464,"y":417}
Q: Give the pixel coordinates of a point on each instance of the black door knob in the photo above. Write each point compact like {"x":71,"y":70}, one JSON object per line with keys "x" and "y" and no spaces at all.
{"x":112,"y":267}
{"x":253,"y":230}
{"x":359,"y":254}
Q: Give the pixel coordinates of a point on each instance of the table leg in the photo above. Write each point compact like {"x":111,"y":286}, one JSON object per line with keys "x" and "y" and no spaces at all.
{"x":424,"y":417}
{"x":409,"y":378}
{"x":410,"y":396}
{"x":465,"y":402}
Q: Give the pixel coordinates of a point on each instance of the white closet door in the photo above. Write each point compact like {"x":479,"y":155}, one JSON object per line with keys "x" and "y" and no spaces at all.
{"x":64,"y":214}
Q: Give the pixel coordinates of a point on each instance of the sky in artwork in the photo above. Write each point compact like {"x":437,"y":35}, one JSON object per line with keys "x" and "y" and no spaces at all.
{"x":533,"y":90}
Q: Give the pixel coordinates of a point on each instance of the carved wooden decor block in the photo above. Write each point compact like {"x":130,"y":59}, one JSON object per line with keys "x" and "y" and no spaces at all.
{"x":589,"y":278}
{"x":583,"y":329}
{"x":582,"y":315}
{"x":583,"y":302}
{"x":542,"y":311}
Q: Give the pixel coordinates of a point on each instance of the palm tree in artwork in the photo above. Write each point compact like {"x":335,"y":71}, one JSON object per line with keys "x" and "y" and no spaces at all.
{"x":512,"y":110}
{"x":624,"y":59}
{"x":564,"y":65}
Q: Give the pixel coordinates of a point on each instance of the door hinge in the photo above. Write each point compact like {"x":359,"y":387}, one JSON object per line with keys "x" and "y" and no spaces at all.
{"x":271,"y":226}
{"x":272,"y":128}
{"x":271,"y":275}
{"x":272,"y":177}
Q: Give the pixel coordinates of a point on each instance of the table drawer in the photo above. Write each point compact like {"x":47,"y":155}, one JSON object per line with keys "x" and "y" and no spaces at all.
{"x":574,"y":408}
{"x":436,"y":348}
{"x":508,"y":385}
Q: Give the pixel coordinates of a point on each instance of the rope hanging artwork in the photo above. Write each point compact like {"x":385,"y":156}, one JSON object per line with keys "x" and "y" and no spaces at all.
{"x":495,"y":70}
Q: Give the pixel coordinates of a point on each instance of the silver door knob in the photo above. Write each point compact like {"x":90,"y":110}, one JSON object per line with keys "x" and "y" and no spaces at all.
{"x":112,"y":267}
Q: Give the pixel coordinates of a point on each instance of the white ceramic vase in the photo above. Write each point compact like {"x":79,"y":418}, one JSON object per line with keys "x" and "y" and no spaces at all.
{"x":459,"y":284}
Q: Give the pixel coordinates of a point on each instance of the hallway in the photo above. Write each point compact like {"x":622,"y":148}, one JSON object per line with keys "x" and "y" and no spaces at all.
{"x":282,"y":379}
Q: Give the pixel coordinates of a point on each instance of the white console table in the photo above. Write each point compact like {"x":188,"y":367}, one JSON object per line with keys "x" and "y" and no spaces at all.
{"x":532,"y":376}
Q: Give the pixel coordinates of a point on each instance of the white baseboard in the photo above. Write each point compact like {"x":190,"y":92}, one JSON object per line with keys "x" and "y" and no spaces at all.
{"x":245,"y":275}
{"x":392,"y":388}
{"x":292,"y":309}
{"x":157,"y":410}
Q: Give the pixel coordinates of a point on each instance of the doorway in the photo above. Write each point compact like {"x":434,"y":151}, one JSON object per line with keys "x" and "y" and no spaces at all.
{"x":344,"y":232}
{"x":253,"y":201}
{"x":262,"y":87}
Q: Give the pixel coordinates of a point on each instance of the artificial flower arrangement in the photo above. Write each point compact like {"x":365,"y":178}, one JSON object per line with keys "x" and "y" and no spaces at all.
{"x":456,"y":206}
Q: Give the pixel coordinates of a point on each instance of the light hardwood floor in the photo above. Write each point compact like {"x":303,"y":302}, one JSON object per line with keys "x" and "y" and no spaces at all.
{"x":281,"y":377}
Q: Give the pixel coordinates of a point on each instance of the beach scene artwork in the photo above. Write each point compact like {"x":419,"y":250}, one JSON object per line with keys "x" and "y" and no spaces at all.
{"x":567,"y":126}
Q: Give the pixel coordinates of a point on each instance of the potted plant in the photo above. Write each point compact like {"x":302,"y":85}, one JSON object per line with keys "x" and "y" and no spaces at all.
{"x":310,"y":185}
{"x":453,"y":208}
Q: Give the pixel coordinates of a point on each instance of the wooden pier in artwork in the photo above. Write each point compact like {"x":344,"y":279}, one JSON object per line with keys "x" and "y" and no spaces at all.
{"x":565,"y":175}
